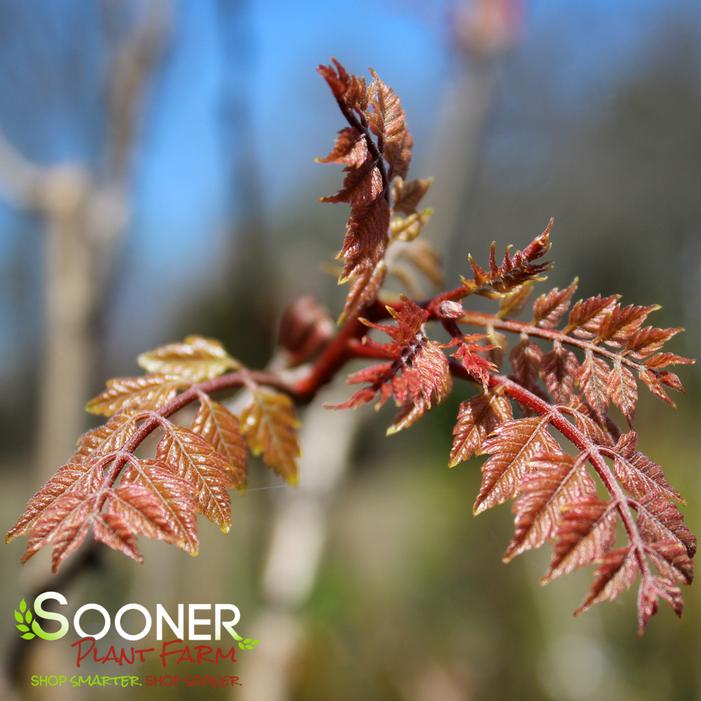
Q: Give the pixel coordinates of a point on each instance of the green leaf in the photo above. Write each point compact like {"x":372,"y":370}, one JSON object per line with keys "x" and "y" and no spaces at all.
{"x":18,"y":616}
{"x":28,"y":616}
{"x":28,"y":636}
{"x":22,"y":605}
{"x":22,"y":627}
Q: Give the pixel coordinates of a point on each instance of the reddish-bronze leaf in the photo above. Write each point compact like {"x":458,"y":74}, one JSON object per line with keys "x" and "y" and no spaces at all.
{"x":549,"y":308}
{"x":622,"y":389}
{"x":350,"y":149}
{"x":590,"y":425}
{"x":650,"y":590}
{"x":421,"y":385}
{"x":220,"y":428}
{"x":559,"y":368}
{"x":476,"y":366}
{"x":511,"y":447}
{"x":78,"y":477}
{"x":654,"y":383}
{"x":417,"y":376}
{"x":620,"y":323}
{"x":364,"y":288}
{"x":347,"y":88}
{"x":195,"y":359}
{"x":587,"y":529}
{"x":593,"y":380}
{"x":526,"y":359}
{"x":660,"y":521}
{"x":616,"y":573}
{"x":513,"y":270}
{"x":477,"y":418}
{"x":663,"y":360}
{"x":176,"y":499}
{"x":171,"y":512}
{"x":141,"y":511}
{"x":366,"y":237}
{"x":104,"y":439}
{"x":388,"y":121}
{"x":136,"y":393}
{"x":270,"y":426}
{"x":199,"y":464}
{"x":112,"y":530}
{"x":552,"y":481}
{"x":63,"y":525}
{"x":648,"y":340}
{"x":365,"y":186}
{"x":587,"y":314}
{"x":672,"y":561}
{"x":361,"y":186}
{"x":638,"y":474}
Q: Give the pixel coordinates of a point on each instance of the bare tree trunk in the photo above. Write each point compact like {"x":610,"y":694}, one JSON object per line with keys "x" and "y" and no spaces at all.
{"x":69,"y":297}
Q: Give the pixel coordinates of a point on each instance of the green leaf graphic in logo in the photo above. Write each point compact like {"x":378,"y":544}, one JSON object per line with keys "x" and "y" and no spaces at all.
{"x":244,"y":643}
{"x":23,"y":619}
{"x":248,"y":643}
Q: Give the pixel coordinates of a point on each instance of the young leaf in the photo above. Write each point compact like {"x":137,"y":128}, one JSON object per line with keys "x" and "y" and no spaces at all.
{"x":177,"y":500}
{"x":586,"y":530}
{"x":615,"y":573}
{"x":365,"y":286}
{"x":511,"y":447}
{"x":514,"y":270}
{"x":421,"y":386}
{"x":195,"y":359}
{"x":219,"y":427}
{"x":350,"y":149}
{"x":477,"y":418}
{"x":104,"y":439}
{"x":270,"y":426}
{"x":78,"y":477}
{"x":388,"y":122}
{"x":623,"y":390}
{"x":148,"y":511}
{"x":587,"y":314}
{"x":136,"y":393}
{"x":526,"y":361}
{"x":559,"y":368}
{"x":593,"y":378}
{"x":418,"y":376}
{"x":549,"y":308}
{"x":112,"y":530}
{"x":476,"y":366}
{"x":552,"y":481}
{"x":199,"y":464}
{"x":64,"y":525}
{"x":661,"y":521}
{"x":638,"y":474}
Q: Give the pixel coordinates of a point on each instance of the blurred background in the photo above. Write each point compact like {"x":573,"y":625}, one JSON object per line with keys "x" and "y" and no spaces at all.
{"x":157,"y":179}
